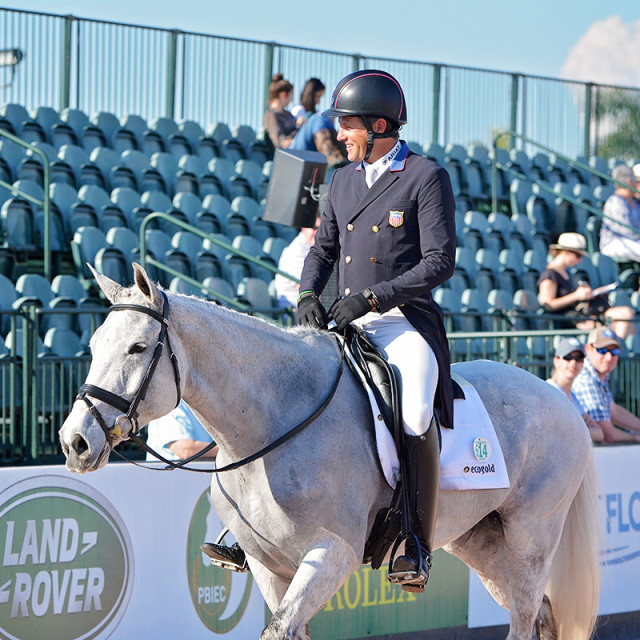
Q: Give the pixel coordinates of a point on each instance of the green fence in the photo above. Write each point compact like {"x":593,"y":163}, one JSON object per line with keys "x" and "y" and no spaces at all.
{"x":104,"y":66}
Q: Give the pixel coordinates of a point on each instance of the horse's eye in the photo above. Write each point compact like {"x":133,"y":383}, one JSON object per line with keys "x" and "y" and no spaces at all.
{"x":139,"y":347}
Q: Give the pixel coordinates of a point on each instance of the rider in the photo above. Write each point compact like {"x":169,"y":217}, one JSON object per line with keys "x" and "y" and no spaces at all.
{"x":389,"y":225}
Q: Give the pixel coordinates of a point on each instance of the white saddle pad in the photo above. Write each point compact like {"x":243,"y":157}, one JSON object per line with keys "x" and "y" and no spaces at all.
{"x":471,"y":456}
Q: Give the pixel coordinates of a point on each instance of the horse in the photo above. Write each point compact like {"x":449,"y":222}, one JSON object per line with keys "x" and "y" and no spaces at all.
{"x":302,"y":511}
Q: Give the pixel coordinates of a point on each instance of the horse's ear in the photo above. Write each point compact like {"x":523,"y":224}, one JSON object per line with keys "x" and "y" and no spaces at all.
{"x":146,"y":285}
{"x":109,"y":287}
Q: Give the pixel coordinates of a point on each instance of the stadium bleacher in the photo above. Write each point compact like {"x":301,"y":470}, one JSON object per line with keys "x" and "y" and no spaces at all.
{"x":107,"y":175}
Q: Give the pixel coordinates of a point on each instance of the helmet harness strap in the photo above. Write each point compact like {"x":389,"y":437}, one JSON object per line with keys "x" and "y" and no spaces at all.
{"x":368,"y":121}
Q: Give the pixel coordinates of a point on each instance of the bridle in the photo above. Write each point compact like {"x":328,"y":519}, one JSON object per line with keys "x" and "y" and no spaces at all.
{"x":130,"y":407}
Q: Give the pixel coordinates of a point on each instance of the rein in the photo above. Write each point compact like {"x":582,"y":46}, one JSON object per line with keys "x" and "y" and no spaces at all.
{"x":130,"y":408}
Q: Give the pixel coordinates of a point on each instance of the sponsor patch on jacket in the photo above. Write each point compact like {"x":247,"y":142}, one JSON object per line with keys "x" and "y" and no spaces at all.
{"x":396,"y":218}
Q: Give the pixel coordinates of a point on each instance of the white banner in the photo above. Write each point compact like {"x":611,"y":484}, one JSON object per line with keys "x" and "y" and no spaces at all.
{"x":85,"y":555}
{"x":620,"y":506}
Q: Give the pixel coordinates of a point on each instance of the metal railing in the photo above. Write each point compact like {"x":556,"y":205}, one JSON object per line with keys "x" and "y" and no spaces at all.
{"x":97,"y":66}
{"x":283,"y":314}
{"x":37,"y":388}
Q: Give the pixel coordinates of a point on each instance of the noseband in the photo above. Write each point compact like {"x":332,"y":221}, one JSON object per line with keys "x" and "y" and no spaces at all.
{"x":130,"y":407}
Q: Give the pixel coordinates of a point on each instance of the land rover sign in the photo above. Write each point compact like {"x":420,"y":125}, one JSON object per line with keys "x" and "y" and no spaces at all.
{"x":66,"y":567}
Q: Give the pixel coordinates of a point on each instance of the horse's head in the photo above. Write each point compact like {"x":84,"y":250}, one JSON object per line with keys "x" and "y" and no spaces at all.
{"x":128,"y":381}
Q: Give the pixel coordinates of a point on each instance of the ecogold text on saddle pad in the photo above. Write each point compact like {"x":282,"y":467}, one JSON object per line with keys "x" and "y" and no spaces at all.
{"x":471,"y":456}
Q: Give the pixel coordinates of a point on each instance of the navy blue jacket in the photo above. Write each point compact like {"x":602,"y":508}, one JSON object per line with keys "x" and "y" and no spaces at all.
{"x":397,"y":238}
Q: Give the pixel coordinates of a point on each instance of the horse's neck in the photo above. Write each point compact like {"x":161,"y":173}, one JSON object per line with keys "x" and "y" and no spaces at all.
{"x":249,"y":381}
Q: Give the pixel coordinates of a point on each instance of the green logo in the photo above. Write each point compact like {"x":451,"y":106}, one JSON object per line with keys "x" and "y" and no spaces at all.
{"x":481,"y":449}
{"x":220,"y":597}
{"x":66,"y":571}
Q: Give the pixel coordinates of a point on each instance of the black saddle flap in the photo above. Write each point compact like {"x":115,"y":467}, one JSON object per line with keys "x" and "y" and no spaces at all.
{"x":379,"y":375}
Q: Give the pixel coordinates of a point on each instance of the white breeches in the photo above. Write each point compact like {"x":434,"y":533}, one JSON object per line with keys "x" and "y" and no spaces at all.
{"x":414,"y":362}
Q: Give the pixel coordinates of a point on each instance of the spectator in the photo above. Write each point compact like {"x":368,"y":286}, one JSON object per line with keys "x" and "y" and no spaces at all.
{"x":591,"y":387}
{"x":178,"y":435}
{"x":309,"y":98}
{"x":291,"y":261}
{"x":278,"y":122}
{"x":319,"y":134}
{"x":636,"y":175}
{"x":621,"y":240}
{"x":557,"y":292}
{"x":567,"y":364}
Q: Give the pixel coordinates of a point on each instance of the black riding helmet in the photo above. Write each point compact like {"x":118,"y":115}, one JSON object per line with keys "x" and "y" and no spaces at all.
{"x":370,"y":94}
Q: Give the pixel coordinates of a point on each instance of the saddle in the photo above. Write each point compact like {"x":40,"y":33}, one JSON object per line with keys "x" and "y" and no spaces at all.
{"x":371,"y":367}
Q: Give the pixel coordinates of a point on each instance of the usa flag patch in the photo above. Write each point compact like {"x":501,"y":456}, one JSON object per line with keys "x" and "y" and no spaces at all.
{"x":396,"y":218}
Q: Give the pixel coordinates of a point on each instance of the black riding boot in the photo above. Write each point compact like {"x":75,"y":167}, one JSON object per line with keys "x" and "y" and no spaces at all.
{"x":411,"y":570}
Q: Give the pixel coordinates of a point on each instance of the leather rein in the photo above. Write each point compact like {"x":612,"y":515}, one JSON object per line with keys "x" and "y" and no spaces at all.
{"x":130,"y":407}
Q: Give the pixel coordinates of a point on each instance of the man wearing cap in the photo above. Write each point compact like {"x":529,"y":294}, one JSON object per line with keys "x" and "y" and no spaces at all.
{"x":620,"y":231}
{"x":592,"y":388}
{"x":389,"y":227}
{"x":567,"y":365}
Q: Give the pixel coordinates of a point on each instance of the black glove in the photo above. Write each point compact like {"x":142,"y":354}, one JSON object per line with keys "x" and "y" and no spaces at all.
{"x":311,"y":313}
{"x":344,"y":310}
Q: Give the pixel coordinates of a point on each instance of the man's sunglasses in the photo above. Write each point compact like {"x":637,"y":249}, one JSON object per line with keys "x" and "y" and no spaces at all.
{"x":613,"y":352}
{"x":578,"y":357}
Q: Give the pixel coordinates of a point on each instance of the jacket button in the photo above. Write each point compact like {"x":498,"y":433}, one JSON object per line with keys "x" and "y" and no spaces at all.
{"x":350,"y":227}
{"x":373,"y":260}
{"x":375,"y":228}
{"x":347,"y":259}
{"x":347,"y":291}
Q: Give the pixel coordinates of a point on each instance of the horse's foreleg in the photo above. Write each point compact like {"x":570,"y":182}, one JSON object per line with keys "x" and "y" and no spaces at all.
{"x":324,"y":569}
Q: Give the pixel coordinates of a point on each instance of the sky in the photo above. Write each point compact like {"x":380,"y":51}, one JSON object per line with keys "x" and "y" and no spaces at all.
{"x":587,"y":40}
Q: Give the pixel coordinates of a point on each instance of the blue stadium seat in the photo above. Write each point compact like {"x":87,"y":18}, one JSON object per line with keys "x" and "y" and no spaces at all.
{"x":17,"y":224}
{"x":189,"y":203}
{"x":207,"y":265}
{"x":22,"y":124}
{"x":68,"y":286}
{"x":86,"y":243}
{"x":11,"y":157}
{"x":148,"y":141}
{"x":46,"y":117}
{"x":126,"y":241}
{"x":255,"y":293}
{"x":221,"y":287}
{"x":178,"y":285}
{"x":118,"y":138}
{"x":201,"y":145}
{"x":217,"y":203}
{"x":127,"y":200}
{"x":33,"y":285}
{"x":64,"y":343}
{"x":84,"y":171}
{"x":189,"y":244}
{"x":88,"y":135}
{"x":112,"y":262}
{"x":8,"y":296}
{"x":114,"y":173}
{"x":175,"y":142}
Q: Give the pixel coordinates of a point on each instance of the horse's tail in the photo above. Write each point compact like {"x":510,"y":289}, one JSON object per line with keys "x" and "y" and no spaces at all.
{"x":574,"y":583}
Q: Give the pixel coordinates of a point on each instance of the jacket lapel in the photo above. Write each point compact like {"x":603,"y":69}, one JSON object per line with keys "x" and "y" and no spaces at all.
{"x":370,"y":195}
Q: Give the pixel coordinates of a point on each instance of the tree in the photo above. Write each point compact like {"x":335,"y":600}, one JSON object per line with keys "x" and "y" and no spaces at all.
{"x":618,"y":123}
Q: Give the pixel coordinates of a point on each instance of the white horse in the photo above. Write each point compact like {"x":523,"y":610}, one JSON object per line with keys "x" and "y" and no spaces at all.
{"x":303,"y":512}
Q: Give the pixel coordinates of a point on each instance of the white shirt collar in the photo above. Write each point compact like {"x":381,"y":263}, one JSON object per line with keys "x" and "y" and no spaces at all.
{"x":374,"y":170}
